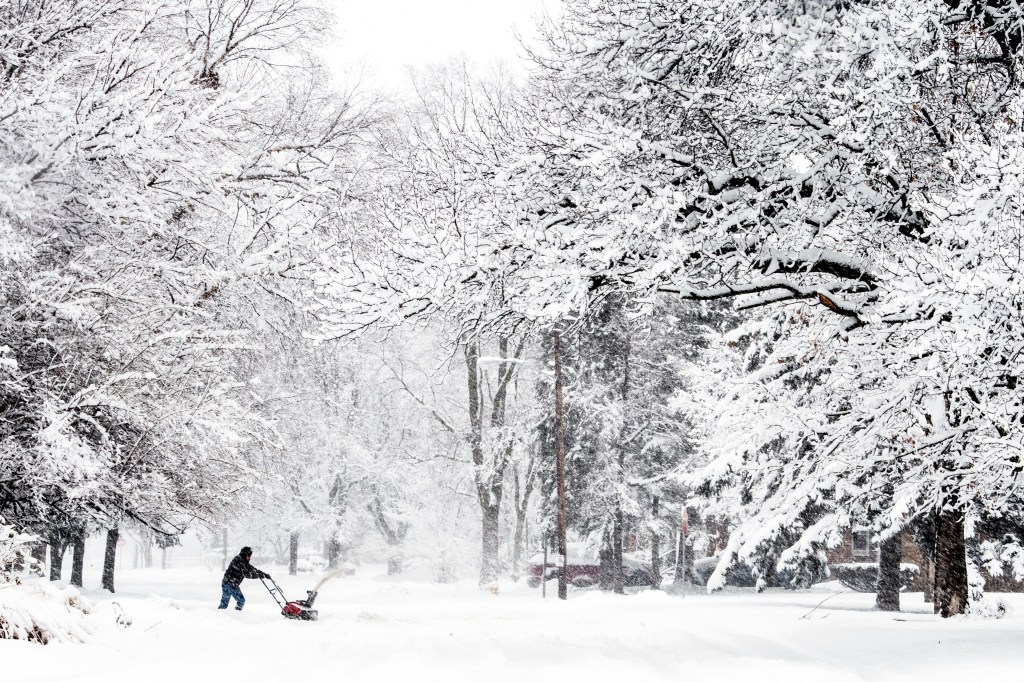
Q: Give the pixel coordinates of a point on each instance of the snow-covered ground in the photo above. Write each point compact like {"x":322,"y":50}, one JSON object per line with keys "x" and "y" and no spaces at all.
{"x":375,"y":628}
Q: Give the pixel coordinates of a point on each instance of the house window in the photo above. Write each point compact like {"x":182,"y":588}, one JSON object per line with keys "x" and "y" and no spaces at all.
{"x":861,"y":543}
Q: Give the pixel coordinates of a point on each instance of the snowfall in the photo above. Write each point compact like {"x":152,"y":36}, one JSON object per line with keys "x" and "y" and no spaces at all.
{"x":381,"y":628}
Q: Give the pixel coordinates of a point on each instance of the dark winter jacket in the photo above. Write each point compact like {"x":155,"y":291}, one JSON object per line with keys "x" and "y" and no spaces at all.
{"x":240,"y":568}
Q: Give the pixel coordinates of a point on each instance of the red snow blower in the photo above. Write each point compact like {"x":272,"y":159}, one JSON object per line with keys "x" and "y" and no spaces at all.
{"x":301,"y":609}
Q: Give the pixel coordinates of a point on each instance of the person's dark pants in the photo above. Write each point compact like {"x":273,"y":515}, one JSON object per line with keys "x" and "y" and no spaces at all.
{"x":229,"y":591}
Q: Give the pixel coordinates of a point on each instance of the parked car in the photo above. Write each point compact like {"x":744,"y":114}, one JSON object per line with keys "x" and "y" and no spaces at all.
{"x":583,"y":567}
{"x":737,"y":576}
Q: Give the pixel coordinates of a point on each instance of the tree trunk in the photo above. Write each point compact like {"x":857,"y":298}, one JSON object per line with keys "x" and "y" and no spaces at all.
{"x":522,"y":490}
{"x":489,"y":472}
{"x":39,"y":556}
{"x":489,"y":546}
{"x":293,"y":554}
{"x":951,"y":590}
{"x":606,"y":566}
{"x":887,"y":592}
{"x":563,"y":578}
{"x":517,"y":545}
{"x":56,"y":562}
{"x":684,"y":561}
{"x":57,"y":547}
{"x":224,"y":541}
{"x":618,"y":573}
{"x":655,"y":547}
{"x":679,"y":577}
{"x":109,"y":558}
{"x":147,"y":550}
{"x":333,"y":552}
{"x":488,"y":563}
{"x":617,"y":546}
{"x":928,"y":568}
{"x":394,"y":534}
{"x":78,"y":558}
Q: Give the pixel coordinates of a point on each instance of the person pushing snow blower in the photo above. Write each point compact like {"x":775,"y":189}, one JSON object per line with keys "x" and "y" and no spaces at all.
{"x":238,"y":570}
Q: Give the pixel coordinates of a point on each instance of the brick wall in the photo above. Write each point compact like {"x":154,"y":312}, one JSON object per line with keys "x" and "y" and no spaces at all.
{"x":851,"y":552}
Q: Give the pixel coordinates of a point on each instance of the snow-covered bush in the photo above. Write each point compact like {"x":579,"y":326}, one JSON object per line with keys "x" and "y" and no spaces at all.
{"x":863,"y":576}
{"x":34,"y":610}
{"x":985,"y":606}
{"x":982,"y":604}
{"x":15,"y":552}
{"x":40,"y":612}
{"x":1003,"y":558}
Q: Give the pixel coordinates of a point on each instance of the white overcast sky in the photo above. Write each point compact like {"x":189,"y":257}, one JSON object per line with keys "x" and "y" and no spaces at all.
{"x":387,"y":35}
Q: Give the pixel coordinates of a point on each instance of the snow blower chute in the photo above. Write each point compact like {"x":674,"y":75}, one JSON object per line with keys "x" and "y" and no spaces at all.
{"x":301,"y":609}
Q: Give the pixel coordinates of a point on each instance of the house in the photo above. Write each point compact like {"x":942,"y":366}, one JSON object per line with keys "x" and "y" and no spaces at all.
{"x":857,"y":547}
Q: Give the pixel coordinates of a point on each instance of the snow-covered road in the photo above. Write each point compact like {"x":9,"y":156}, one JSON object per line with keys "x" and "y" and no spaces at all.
{"x":379,"y":629}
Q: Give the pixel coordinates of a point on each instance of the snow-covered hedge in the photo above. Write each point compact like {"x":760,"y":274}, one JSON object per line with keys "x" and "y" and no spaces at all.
{"x":15,"y":552}
{"x":38,"y":611}
{"x":863,"y":576}
{"x":32,"y":609}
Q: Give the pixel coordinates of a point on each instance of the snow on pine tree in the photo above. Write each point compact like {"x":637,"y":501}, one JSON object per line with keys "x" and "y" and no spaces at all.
{"x":627,"y":436}
{"x":899,"y":435}
{"x":30,"y":610}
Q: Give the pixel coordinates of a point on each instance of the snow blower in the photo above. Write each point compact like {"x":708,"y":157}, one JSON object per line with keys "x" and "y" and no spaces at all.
{"x":301,"y":609}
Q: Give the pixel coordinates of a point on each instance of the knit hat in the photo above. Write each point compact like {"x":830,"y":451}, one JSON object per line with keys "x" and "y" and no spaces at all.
{"x":246,"y":551}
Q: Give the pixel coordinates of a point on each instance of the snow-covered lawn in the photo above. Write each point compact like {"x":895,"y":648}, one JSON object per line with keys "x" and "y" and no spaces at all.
{"x":375,"y":628}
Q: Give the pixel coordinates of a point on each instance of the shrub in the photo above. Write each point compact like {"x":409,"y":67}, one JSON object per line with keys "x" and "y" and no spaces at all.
{"x":863,"y":577}
{"x":15,"y":552}
{"x":33,"y":610}
{"x":40,"y":612}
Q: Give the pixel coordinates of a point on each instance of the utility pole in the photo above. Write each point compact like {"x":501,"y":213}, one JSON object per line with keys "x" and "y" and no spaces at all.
{"x":544,"y":571}
{"x":685,"y":531}
{"x":563,"y":576}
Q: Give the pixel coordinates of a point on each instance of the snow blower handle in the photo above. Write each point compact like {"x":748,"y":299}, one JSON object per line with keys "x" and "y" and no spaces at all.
{"x":274,"y":591}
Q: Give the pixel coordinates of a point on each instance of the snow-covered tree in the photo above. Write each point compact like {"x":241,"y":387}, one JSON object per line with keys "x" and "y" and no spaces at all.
{"x":813,"y":157}
{"x":436,"y":209}
{"x":152,"y":155}
{"x":851,"y":167}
